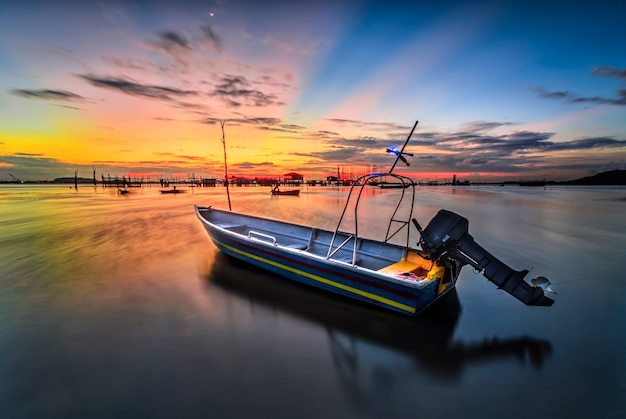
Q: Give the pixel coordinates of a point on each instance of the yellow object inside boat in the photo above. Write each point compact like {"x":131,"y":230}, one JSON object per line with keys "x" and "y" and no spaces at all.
{"x":414,"y":267}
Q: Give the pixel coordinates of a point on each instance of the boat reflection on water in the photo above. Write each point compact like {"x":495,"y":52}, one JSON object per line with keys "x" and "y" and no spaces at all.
{"x":426,"y":339}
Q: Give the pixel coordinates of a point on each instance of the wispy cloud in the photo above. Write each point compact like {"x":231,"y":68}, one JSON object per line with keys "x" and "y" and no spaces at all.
{"x":515,"y":153}
{"x":249,"y":165}
{"x":181,"y":48}
{"x":609,"y":71}
{"x":517,"y":143}
{"x":170,"y":42}
{"x":137,"y":89}
{"x":176,"y":47}
{"x":324,"y":134}
{"x":255,"y":121}
{"x":47,"y":94}
{"x":291,"y":129}
{"x":337,"y":154}
{"x":214,"y":40}
{"x":485,"y":126}
{"x":133,"y":65}
{"x":369,"y":124}
{"x":471,"y":149}
{"x":29,"y":154}
{"x":68,"y":55}
{"x":474,"y":147}
{"x":237,"y":91}
{"x":70,"y":107}
{"x":570,"y":97}
{"x":259,"y":121}
{"x":366,"y":142}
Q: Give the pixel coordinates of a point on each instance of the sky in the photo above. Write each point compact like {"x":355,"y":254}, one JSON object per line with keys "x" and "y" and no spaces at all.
{"x":502,"y":90}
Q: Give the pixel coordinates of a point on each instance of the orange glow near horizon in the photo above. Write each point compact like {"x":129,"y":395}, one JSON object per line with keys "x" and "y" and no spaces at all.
{"x":303,"y":88}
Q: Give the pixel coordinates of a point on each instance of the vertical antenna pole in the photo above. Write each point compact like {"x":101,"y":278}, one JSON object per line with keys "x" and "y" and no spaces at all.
{"x":405,"y":143}
{"x":225,"y":164}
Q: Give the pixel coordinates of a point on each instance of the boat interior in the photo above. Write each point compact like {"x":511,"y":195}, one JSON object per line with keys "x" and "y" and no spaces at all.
{"x":386,"y":258}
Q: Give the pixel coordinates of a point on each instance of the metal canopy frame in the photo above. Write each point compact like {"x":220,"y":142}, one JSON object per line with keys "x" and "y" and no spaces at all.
{"x":395,"y":224}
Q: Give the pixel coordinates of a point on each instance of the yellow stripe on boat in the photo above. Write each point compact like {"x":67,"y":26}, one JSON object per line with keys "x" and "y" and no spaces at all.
{"x":321,"y":279}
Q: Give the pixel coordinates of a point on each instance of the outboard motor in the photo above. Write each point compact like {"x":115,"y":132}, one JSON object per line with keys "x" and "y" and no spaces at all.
{"x":447,"y":234}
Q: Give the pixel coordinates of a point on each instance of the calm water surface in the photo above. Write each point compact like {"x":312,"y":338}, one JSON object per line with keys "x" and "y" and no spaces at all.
{"x":119,"y":306}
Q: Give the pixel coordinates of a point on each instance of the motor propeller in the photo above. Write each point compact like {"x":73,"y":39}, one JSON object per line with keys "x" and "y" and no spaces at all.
{"x":543,"y":283}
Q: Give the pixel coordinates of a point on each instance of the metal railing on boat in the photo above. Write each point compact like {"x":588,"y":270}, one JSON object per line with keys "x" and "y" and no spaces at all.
{"x":361,"y":183}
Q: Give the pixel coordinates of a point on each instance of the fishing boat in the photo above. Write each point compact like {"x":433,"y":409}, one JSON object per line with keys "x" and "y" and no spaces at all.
{"x":405,"y":271}
{"x":172,"y":191}
{"x":393,"y":185}
{"x":291,"y":192}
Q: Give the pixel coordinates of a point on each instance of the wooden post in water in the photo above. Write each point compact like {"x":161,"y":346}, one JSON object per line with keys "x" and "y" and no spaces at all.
{"x":76,"y":179}
{"x":225,"y":164}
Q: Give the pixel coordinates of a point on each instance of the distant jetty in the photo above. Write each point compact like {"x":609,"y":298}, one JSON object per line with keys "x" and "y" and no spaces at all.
{"x":608,"y":178}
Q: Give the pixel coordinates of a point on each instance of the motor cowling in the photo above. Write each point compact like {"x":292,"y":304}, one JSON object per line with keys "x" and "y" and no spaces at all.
{"x":448,"y":234}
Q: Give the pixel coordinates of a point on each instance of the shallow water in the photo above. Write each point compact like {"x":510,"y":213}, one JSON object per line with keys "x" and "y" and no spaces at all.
{"x":120,"y":306}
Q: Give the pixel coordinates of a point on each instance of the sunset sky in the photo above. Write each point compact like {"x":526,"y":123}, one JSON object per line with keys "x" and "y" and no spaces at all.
{"x":503,"y":90}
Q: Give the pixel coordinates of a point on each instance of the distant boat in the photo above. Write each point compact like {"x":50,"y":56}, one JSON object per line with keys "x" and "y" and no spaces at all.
{"x":291,"y":192}
{"x":169,"y":191}
{"x":394,"y":185}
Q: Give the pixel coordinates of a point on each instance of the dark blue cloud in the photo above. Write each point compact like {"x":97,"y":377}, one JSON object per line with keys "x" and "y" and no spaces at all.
{"x":237,"y":91}
{"x":570,"y":97}
{"x":47,"y":94}
{"x":137,"y":89}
